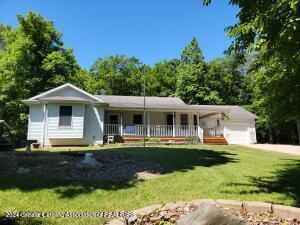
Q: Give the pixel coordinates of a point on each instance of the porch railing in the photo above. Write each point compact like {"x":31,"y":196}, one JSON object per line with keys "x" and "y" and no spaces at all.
{"x":150,"y":130}
{"x":213,"y":132}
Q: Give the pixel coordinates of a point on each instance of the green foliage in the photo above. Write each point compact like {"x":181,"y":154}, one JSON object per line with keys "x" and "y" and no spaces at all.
{"x":192,"y":140}
{"x":221,"y":81}
{"x":227,"y":77}
{"x":32,"y":60}
{"x":117,"y":75}
{"x":155,"y":140}
{"x":225,"y":116}
{"x":192,"y":77}
{"x":271,"y":29}
{"x":3,"y":30}
{"x":276,"y":98}
{"x":163,"y":78}
{"x":163,"y":223}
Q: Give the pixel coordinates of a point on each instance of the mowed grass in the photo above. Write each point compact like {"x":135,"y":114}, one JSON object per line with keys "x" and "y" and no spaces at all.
{"x":189,"y":172}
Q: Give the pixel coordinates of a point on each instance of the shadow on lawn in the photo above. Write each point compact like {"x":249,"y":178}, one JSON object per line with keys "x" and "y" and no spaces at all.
{"x":168,"y":160}
{"x":284,"y":181}
{"x":19,"y":221}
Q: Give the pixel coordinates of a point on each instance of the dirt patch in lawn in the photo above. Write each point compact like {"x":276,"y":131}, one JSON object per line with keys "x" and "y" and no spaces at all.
{"x":116,"y":166}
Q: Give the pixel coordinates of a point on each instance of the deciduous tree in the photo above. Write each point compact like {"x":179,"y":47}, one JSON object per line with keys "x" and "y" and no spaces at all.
{"x":33,"y":60}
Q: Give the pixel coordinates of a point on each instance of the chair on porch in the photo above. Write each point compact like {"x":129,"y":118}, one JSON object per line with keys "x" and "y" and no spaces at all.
{"x":110,"y":138}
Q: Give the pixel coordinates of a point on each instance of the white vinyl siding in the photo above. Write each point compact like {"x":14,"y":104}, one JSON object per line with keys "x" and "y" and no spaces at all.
{"x":86,"y":122}
{"x":93,"y":125}
{"x":69,"y":92}
{"x":74,"y":131}
{"x":36,"y":123}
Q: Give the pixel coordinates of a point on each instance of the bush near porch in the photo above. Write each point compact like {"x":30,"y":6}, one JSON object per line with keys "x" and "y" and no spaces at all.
{"x":188,"y":172}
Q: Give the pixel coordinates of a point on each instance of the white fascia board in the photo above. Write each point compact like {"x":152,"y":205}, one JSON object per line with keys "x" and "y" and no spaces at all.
{"x":31,"y":102}
{"x":61,"y":87}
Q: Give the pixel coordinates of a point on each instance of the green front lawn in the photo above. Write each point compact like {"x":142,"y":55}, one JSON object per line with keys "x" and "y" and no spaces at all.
{"x":189,"y":172}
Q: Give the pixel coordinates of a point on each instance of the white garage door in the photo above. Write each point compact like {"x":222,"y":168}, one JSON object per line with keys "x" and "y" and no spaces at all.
{"x":238,"y":133}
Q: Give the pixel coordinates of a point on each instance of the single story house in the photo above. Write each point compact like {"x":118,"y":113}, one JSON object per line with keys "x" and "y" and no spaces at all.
{"x":67,"y":115}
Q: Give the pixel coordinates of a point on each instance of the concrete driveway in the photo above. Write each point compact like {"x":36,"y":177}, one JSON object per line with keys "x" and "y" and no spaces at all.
{"x":288,"y":149}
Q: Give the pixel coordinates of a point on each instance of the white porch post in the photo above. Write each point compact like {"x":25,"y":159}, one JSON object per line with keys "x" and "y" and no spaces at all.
{"x":198,"y":126}
{"x":45,"y":112}
{"x":148,"y":122}
{"x":121,"y":123}
{"x":200,"y":134}
{"x":174,"y":125}
{"x":98,"y":120}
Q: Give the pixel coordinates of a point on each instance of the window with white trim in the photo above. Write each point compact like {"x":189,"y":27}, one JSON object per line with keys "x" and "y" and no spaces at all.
{"x":65,"y":116}
{"x":184,"y":120}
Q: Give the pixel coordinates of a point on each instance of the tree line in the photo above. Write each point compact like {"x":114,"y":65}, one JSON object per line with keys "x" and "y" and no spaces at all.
{"x":34,"y":59}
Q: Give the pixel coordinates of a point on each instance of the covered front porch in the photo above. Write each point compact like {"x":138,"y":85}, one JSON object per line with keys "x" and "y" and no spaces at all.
{"x":159,"y":124}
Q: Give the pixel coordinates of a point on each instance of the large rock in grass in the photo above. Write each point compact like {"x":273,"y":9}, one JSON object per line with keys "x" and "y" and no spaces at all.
{"x":23,"y":170}
{"x":209,"y":214}
{"x":88,"y":163}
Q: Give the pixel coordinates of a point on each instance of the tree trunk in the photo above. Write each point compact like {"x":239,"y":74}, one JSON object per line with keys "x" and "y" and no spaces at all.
{"x":270,"y":136}
{"x":298,"y":126}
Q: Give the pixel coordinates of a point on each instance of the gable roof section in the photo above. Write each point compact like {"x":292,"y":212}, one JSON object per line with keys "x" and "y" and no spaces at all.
{"x":44,"y":95}
{"x":240,"y":112}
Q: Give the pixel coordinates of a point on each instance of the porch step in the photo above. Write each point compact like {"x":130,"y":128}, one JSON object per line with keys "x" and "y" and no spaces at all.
{"x":220,"y":140}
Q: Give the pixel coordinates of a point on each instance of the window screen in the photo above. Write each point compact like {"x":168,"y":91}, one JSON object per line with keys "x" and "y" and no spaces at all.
{"x":113,"y":119}
{"x":65,"y":116}
{"x":137,"y":119}
{"x":184,"y":119}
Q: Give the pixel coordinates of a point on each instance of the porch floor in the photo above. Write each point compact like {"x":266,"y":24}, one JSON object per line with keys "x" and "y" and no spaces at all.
{"x":133,"y":138}
{"x":217,"y":140}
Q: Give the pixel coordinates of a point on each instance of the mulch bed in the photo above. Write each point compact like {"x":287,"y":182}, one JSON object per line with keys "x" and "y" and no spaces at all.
{"x":167,"y":216}
{"x":116,"y":166}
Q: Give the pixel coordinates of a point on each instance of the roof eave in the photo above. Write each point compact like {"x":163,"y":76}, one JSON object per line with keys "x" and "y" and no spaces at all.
{"x":63,"y":86}
{"x":35,"y":102}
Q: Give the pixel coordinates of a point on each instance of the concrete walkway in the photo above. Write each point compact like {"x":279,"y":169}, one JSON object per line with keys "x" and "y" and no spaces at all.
{"x":288,"y":149}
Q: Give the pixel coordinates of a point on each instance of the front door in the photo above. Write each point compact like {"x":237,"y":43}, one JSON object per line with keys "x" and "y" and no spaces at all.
{"x":170,"y":123}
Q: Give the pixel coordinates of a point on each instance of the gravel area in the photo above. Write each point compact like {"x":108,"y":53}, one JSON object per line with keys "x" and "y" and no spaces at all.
{"x":116,"y":166}
{"x":169,"y":216}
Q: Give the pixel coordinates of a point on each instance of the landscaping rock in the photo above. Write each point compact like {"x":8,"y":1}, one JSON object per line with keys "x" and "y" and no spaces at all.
{"x":257,"y":207}
{"x":115,"y":167}
{"x":88,"y":163}
{"x":232,"y":204}
{"x":23,"y":170}
{"x":283,"y":211}
{"x":209,"y":214}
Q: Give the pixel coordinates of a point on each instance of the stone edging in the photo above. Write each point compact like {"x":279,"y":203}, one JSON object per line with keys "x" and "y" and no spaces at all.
{"x":252,"y":206}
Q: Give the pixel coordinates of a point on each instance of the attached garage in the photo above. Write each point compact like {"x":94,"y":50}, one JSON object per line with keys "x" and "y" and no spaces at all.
{"x":237,"y":133}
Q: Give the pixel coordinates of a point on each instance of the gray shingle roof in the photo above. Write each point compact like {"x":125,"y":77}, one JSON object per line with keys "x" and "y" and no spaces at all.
{"x":170,"y":103}
{"x":138,"y":102}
